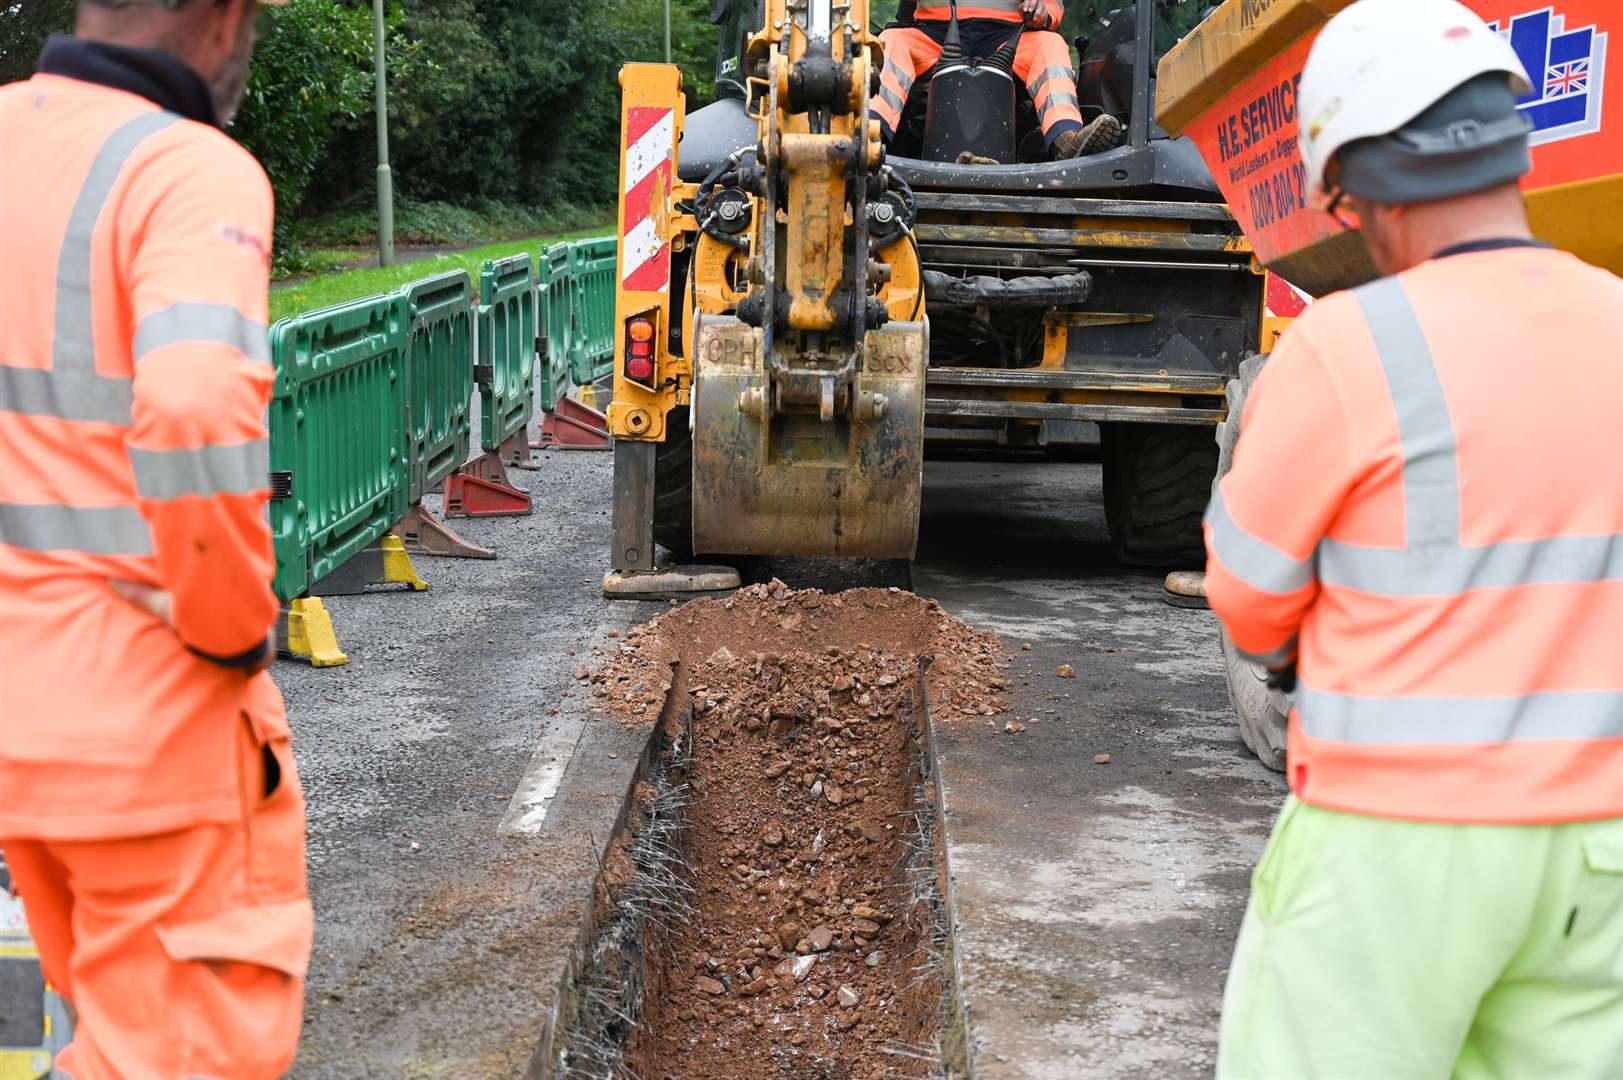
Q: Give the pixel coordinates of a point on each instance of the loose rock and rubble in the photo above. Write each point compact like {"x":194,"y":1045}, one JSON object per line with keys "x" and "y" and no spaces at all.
{"x":811,"y":950}
{"x":966,"y":675}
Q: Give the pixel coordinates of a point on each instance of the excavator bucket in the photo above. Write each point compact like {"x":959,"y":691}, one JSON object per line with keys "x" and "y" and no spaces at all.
{"x":841,"y":481}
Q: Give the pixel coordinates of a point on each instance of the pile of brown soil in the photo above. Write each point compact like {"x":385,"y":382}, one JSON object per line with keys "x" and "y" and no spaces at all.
{"x":812,"y":947}
{"x":967,"y":665}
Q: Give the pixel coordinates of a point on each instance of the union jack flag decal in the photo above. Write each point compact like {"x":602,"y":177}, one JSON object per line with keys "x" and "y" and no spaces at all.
{"x":1567,"y":68}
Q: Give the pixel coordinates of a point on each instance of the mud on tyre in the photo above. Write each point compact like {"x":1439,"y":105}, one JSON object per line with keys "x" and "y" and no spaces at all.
{"x":1262,"y":710}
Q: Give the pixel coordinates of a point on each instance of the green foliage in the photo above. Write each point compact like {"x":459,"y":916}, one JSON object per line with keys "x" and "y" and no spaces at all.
{"x":311,"y":77}
{"x":330,"y":288}
{"x":1174,"y":18}
{"x":441,"y":223}
{"x":24,"y":26}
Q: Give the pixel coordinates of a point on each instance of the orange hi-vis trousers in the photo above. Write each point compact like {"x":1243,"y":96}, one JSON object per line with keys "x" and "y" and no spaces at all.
{"x":184,"y":952}
{"x":1042,"y":61}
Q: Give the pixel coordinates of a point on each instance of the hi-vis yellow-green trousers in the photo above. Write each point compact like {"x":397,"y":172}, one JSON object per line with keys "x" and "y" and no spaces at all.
{"x":1376,"y":949}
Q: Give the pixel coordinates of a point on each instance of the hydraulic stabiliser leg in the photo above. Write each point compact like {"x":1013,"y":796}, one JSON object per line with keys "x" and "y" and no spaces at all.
{"x":633,"y":515}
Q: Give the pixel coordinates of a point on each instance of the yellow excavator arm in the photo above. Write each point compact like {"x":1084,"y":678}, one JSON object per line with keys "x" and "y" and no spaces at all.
{"x":802,"y":306}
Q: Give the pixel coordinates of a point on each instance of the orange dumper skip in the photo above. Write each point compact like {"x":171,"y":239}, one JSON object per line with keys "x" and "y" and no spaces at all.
{"x":1230,"y":85}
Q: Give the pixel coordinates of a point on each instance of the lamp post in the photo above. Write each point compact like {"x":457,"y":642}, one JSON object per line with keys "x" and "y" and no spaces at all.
{"x":385,"y":179}
{"x":667,"y":31}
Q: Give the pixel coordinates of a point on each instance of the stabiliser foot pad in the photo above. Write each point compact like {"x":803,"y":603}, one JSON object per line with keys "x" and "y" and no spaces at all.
{"x":1186,"y":589}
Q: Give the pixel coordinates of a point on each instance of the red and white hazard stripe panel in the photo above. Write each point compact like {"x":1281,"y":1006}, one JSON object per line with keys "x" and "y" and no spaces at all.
{"x":1284,"y":299}
{"x":650,"y":146}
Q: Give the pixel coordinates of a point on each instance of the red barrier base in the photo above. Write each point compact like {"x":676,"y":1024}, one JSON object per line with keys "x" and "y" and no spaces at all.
{"x":423,"y":534}
{"x":573,"y":426}
{"x":482,"y":489}
{"x":518,"y":453}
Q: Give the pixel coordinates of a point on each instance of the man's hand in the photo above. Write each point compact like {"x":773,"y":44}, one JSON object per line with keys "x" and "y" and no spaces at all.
{"x":161,"y":605}
{"x":1036,"y":15}
{"x":154,"y":602}
{"x":1283,"y":678}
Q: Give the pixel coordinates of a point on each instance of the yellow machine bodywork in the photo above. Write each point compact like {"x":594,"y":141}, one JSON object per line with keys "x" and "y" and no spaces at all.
{"x":802,"y":352}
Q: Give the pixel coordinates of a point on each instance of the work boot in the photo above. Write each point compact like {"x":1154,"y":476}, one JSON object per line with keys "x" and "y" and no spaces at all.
{"x":1102,"y":133}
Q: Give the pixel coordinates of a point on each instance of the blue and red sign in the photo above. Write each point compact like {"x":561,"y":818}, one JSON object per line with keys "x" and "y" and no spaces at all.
{"x":1249,"y":139}
{"x":1568,"y":69}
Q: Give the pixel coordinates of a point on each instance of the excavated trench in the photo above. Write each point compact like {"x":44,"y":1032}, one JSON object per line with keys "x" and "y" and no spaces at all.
{"x":774,"y":901}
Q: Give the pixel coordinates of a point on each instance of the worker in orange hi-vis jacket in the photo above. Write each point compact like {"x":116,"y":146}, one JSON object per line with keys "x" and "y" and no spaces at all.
{"x":1423,"y":531}
{"x":1042,"y":60}
{"x":149,"y":806}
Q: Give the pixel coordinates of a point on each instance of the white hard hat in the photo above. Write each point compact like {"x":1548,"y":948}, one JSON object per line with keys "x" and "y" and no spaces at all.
{"x":1380,"y":63}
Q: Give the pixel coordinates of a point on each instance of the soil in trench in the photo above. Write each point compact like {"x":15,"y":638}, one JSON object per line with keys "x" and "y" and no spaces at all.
{"x":812,"y":947}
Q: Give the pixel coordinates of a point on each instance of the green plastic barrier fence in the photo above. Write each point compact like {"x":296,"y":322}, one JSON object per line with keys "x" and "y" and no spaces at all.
{"x":591,"y":273}
{"x":506,"y":371}
{"x":339,"y":443}
{"x":439,"y":384}
{"x":554,"y":305}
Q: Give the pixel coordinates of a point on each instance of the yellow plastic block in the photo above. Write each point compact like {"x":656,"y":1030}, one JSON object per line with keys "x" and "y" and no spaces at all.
{"x":397,"y":567}
{"x":310,"y":634}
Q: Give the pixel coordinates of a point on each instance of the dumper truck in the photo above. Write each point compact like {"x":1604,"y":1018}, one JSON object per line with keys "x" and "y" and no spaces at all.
{"x":1230,"y":87}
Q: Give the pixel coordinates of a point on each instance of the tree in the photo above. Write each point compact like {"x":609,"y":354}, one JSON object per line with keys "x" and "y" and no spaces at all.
{"x":310,"y":77}
{"x":24,"y":26}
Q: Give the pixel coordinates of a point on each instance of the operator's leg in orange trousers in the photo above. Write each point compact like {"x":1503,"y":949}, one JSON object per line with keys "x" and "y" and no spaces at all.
{"x":909,"y":53}
{"x":185,"y":952}
{"x":1043,"y":63}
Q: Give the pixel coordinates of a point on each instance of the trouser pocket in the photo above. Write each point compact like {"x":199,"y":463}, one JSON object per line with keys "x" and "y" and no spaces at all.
{"x":1597,"y":913}
{"x":273,"y":819}
{"x":238,"y":977}
{"x":1279,"y":872}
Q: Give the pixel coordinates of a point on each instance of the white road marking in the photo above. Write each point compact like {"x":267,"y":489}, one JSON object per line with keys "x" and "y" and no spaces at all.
{"x":528,"y":808}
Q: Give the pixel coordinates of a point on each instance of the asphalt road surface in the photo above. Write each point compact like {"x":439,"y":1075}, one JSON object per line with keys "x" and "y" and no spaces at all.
{"x":459,"y":792}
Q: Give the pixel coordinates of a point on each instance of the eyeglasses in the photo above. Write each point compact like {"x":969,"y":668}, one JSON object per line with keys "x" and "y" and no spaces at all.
{"x":1333,"y":208}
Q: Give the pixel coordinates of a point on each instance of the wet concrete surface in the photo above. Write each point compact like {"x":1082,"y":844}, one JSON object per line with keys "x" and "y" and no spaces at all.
{"x":455,"y":816}
{"x":1096,"y":904}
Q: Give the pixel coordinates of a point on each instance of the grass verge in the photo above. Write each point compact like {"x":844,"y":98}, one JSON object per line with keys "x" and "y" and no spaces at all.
{"x":325,"y":290}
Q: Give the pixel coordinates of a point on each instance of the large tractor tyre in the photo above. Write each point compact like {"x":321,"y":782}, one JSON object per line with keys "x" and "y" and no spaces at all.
{"x":673,"y":486}
{"x":1262,"y":711}
{"x":1158,"y":478}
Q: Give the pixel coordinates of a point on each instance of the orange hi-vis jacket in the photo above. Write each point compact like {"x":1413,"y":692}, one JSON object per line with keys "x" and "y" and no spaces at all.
{"x":1001,"y":10}
{"x":134,"y":380}
{"x":1427,"y":493}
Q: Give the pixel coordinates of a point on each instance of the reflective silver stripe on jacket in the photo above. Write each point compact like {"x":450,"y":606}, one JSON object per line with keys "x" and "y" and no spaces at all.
{"x":215,"y":324}
{"x":205,"y":471}
{"x":1273,"y":658}
{"x":71,"y":389}
{"x":1434,"y":561}
{"x":1448,"y":571}
{"x":1256,"y":562}
{"x":1549,"y":714}
{"x":104,"y":530}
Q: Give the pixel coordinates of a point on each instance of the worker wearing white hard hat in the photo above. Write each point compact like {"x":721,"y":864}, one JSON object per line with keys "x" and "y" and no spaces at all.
{"x":1422,"y":534}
